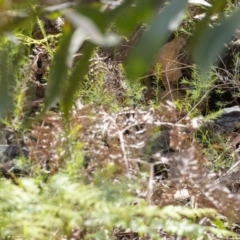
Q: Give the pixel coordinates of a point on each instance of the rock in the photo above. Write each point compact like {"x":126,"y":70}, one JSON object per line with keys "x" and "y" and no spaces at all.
{"x":9,"y":160}
{"x":229,"y":121}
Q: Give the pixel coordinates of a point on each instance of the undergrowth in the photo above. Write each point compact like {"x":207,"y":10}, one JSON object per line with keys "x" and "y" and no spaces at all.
{"x":87,"y":176}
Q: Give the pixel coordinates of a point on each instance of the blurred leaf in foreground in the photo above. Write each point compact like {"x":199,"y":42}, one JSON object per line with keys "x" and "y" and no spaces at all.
{"x":59,"y":68}
{"x":9,"y":60}
{"x":159,"y":30}
{"x":76,"y":77}
{"x":211,"y":41}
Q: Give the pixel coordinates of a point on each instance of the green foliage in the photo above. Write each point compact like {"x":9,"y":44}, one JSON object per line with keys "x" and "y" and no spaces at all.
{"x":198,"y":90}
{"x":217,"y":149}
{"x":52,"y":210}
{"x":134,"y":94}
{"x":96,"y":93}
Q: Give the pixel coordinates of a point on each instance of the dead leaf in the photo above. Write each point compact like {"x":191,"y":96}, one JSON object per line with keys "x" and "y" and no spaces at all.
{"x":168,"y":60}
